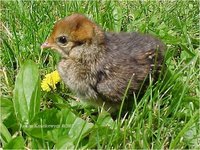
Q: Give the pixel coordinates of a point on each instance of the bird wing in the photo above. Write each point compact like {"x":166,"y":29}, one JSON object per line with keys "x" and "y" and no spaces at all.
{"x":129,"y":57}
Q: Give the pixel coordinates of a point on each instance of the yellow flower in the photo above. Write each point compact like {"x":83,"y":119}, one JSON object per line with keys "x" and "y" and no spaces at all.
{"x":50,"y":81}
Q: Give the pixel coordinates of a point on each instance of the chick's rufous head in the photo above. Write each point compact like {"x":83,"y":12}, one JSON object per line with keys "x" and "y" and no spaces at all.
{"x":73,"y":31}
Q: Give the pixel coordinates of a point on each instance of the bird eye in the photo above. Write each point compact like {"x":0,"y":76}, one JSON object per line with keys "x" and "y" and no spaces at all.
{"x":62,"y":39}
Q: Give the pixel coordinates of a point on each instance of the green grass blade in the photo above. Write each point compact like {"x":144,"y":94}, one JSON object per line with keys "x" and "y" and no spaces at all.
{"x":193,"y":119}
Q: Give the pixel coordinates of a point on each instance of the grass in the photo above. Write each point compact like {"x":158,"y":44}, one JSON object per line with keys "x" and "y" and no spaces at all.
{"x":166,"y":117}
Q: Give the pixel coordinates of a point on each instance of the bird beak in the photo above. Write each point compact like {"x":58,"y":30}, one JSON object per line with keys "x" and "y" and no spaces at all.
{"x":46,"y":45}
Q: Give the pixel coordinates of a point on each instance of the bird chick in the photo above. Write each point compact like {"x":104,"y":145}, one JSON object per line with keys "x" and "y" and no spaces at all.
{"x":98,"y":65}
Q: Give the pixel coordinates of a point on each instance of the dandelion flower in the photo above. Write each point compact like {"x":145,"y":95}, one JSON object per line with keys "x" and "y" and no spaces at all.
{"x":50,"y":81}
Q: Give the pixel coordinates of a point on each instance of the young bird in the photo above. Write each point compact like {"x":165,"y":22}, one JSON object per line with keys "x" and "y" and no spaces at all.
{"x":98,"y":65}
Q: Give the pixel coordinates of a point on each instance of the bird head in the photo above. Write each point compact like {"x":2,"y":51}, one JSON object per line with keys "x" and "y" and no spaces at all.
{"x":73,"y":31}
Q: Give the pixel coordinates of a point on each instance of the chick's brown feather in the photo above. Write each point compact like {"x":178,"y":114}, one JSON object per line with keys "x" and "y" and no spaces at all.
{"x":98,"y":65}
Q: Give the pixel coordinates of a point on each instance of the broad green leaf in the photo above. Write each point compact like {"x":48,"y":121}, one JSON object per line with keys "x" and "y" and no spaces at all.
{"x":102,"y":131}
{"x":27,"y":92}
{"x":6,"y":108}
{"x":79,"y":128}
{"x":54,"y":125}
{"x":58,"y":101}
{"x":42,"y":123}
{"x":105,"y":119}
{"x":5,"y":134}
{"x":16,"y":143}
{"x":65,"y":143}
{"x":99,"y":135}
{"x":7,"y":112}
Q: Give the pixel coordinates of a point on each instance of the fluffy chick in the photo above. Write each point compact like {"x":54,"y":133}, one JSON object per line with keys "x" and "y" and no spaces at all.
{"x":98,"y":65}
